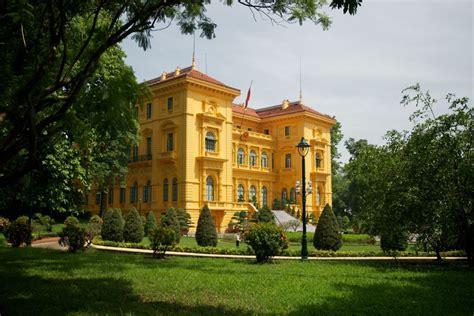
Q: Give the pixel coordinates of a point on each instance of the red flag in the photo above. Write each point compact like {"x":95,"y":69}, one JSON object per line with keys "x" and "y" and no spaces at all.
{"x":247,"y":98}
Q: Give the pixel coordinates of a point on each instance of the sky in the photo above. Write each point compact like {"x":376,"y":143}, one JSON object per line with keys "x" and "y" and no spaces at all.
{"x":354,"y":71}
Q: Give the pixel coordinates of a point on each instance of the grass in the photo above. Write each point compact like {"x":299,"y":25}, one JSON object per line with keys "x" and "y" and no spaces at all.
{"x":45,"y":282}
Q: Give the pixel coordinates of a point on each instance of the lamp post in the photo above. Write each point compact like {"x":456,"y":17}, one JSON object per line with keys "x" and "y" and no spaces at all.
{"x":303,"y":148}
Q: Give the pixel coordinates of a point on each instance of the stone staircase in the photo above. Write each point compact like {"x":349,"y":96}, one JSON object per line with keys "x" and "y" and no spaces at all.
{"x":283,"y":217}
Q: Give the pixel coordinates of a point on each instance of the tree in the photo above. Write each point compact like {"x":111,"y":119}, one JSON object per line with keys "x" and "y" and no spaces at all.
{"x":150,"y":223}
{"x":265,"y":215}
{"x":133,"y":228}
{"x":327,"y":236}
{"x":54,"y":50}
{"x":170,"y":219}
{"x":336,"y":137}
{"x":184,"y":220}
{"x":19,"y":231}
{"x":161,"y":239}
{"x":112,"y":229}
{"x":206,"y":233}
{"x":267,"y":240}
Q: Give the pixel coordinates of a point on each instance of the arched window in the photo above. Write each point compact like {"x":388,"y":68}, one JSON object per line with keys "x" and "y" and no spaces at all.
{"x":174,"y":190}
{"x":318,"y":196}
{"x":210,"y":142}
{"x":292,"y":196}
{"x":209,"y":189}
{"x":240,"y":156}
{"x":165,"y":189}
{"x":252,"y":192}
{"x":264,"y":160}
{"x":240,"y":193}
{"x":318,"y":161}
{"x":253,"y":158}
{"x":147,"y":192}
{"x":264,"y":196}
{"x":284,"y":194}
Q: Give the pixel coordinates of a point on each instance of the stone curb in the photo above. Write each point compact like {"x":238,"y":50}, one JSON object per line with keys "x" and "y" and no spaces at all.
{"x":208,"y":255}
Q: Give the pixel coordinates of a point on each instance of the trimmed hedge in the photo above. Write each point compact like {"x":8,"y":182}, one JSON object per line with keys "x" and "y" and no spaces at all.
{"x":206,"y":233}
{"x":112,"y":229}
{"x":287,"y":252}
{"x":133,"y":228}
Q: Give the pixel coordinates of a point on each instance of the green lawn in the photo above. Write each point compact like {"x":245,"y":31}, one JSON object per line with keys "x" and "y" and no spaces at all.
{"x":45,"y":282}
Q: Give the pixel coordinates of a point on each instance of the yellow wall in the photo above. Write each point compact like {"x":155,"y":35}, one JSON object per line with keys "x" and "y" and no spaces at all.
{"x":200,"y":107}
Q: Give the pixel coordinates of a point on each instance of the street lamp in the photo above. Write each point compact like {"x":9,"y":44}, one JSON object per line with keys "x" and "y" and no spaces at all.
{"x":303,"y":149}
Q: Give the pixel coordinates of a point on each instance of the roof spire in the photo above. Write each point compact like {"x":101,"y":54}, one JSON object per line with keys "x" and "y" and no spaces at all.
{"x":193,"y":64}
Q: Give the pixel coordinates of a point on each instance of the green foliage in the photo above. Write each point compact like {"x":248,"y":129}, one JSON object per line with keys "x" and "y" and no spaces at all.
{"x":150,"y":223}
{"x":394,"y":241}
{"x":74,"y":237}
{"x":265,"y":215}
{"x":206,"y":233}
{"x":184,"y":220}
{"x":238,"y":221}
{"x":266,"y":239}
{"x":19,"y":232}
{"x":161,"y":239}
{"x":133,"y":228}
{"x":71,"y":221}
{"x":170,"y":219}
{"x":327,"y":236}
{"x":4,"y":222}
{"x":94,"y":227}
{"x":112,"y":229}
{"x":276,"y":204}
{"x":336,"y":137}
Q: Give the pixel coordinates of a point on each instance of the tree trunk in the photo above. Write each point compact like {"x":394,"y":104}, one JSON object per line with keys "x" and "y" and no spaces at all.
{"x":438,"y":255}
{"x":103,"y":203}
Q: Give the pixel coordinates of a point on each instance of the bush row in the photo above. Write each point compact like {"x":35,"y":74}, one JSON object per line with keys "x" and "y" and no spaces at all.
{"x":287,"y":252}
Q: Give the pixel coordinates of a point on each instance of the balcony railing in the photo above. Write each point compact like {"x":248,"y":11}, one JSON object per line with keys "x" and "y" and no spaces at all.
{"x":140,"y":158}
{"x":252,"y":134}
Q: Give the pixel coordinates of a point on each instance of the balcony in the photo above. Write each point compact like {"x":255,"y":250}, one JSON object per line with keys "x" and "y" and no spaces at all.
{"x":249,"y":135}
{"x":167,"y":156}
{"x":140,"y":158}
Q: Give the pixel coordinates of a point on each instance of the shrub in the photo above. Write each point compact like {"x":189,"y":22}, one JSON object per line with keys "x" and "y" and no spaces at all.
{"x":161,"y":239}
{"x":112,"y":229}
{"x":71,"y":221}
{"x":327,"y":236}
{"x":4,"y":222}
{"x":170,"y":219}
{"x":395,"y":240}
{"x":19,"y":232}
{"x":184,"y":220}
{"x":94,"y":227}
{"x":276,"y":204}
{"x":143,"y":220}
{"x":206,"y":233}
{"x":133,"y":229}
{"x":265,"y":215}
{"x":297,"y":236}
{"x":150,"y":223}
{"x":74,"y":237}
{"x":267,"y":240}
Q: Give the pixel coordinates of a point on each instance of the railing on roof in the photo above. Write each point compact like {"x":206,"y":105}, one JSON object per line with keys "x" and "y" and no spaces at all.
{"x":251,"y":134}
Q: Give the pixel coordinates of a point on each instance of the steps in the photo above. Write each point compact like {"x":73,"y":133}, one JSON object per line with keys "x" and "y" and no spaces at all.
{"x":283,"y":217}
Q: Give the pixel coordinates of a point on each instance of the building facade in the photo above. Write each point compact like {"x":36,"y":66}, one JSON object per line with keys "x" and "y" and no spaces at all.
{"x":197,"y":147}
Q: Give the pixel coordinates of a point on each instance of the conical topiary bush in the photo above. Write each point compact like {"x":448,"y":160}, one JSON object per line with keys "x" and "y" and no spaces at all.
{"x":112,"y":229}
{"x":150,"y":223}
{"x":206,"y":233}
{"x":170,"y":219}
{"x":327,"y":236}
{"x":133,"y":229}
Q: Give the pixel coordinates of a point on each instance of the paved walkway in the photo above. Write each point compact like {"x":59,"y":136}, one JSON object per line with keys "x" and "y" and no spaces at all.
{"x":207,"y":255}
{"x":48,"y":243}
{"x":284,"y":217}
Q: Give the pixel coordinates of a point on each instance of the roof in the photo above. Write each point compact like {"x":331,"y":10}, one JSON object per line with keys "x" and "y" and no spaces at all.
{"x":276,"y":110}
{"x":240,"y":110}
{"x":188,"y":72}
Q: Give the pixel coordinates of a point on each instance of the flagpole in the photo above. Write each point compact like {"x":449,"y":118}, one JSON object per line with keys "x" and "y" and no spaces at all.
{"x":246,"y":104}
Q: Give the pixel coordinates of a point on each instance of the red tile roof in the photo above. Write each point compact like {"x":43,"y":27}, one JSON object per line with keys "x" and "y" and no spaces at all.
{"x":240,"y":110}
{"x":188,"y":72}
{"x":276,"y":110}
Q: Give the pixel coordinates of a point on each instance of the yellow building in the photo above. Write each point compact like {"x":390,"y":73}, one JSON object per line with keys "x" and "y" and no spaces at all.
{"x":197,"y":147}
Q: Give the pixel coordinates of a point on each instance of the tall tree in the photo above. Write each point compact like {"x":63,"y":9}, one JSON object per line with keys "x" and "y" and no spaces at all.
{"x":49,"y":51}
